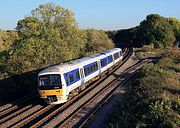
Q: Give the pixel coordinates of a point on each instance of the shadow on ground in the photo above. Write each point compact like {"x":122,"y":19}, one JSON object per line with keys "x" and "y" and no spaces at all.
{"x":18,"y":86}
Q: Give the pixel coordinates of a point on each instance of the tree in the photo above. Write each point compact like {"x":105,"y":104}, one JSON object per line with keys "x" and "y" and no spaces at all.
{"x":6,"y":39}
{"x":155,"y":29}
{"x":97,"y":41}
{"x":175,"y":23}
{"x":48,"y":36}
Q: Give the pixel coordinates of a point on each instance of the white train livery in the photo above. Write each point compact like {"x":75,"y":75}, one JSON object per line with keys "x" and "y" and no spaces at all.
{"x":59,"y":83}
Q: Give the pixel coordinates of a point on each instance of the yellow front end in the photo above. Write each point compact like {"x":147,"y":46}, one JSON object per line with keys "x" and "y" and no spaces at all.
{"x":54,"y":96}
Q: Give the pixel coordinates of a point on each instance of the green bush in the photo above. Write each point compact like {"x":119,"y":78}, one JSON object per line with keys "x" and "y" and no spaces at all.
{"x":154,"y":99}
{"x":160,"y":114}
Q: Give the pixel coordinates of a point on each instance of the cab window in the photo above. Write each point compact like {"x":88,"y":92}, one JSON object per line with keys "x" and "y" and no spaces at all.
{"x":53,"y":80}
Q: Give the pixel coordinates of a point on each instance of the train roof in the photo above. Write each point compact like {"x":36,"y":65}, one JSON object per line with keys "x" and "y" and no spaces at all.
{"x":75,"y":63}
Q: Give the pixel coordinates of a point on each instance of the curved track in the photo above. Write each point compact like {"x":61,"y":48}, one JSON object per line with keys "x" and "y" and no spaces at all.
{"x":85,"y":114}
{"x":39,"y":115}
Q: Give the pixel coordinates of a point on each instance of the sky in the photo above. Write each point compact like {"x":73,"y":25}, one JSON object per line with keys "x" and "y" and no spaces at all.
{"x":98,"y":14}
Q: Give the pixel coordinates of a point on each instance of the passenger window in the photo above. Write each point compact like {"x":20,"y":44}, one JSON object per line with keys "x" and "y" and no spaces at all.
{"x":71,"y":77}
{"x":114,"y":56}
{"x":92,"y":69}
{"x":105,"y":62}
{"x":66,"y":78}
{"x":110,"y":59}
{"x":89,"y":69}
{"x":77,"y":75}
{"x":96,"y":66}
{"x":85,"y":71}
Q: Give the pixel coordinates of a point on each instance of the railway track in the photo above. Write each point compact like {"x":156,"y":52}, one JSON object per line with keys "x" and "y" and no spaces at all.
{"x":43,"y":115}
{"x":17,"y":105}
{"x":82,"y":116}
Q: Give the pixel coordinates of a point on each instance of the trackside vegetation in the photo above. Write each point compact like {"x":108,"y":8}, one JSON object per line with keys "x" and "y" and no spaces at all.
{"x":154,"y":97}
{"x":50,"y":35}
{"x":154,"y":30}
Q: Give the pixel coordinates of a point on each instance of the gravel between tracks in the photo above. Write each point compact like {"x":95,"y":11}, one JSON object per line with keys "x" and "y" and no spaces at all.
{"x":2,"y":108}
{"x":88,"y":107}
{"x":100,"y":119}
{"x":55,"y":121}
{"x":21,"y":116}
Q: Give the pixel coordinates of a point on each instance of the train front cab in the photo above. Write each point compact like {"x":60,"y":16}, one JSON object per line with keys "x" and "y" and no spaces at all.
{"x":51,"y":89}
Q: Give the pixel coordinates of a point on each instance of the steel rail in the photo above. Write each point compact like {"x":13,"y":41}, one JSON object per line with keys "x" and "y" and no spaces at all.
{"x":69,"y":103}
{"x":72,"y":117}
{"x":127,"y":53}
{"x":33,"y":116}
{"x":20,"y":101}
{"x":106,"y":99}
{"x":27,"y":121}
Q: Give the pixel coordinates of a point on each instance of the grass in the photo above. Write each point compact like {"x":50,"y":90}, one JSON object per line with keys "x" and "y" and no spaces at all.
{"x":154,"y":99}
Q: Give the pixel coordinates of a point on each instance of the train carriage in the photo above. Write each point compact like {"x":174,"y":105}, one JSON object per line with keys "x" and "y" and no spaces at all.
{"x":60,"y":82}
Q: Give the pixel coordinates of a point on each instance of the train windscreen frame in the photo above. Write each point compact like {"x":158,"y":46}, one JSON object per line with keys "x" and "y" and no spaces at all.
{"x":51,"y":81}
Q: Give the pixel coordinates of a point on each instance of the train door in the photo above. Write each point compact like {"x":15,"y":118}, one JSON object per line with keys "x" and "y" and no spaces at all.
{"x":82,"y":79}
{"x":99,"y":66}
{"x":121,"y":55}
{"x":113,"y":59}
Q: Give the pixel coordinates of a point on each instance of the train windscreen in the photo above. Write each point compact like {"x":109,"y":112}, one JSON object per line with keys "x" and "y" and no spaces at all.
{"x":50,"y":81}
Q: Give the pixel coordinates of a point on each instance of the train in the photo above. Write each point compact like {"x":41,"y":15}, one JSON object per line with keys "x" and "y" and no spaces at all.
{"x":59,"y":83}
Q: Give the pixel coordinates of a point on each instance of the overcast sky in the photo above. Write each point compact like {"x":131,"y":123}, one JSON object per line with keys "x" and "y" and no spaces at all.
{"x":98,"y":14}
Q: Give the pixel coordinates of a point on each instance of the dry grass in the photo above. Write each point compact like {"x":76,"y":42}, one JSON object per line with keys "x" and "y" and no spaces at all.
{"x":155,"y":96}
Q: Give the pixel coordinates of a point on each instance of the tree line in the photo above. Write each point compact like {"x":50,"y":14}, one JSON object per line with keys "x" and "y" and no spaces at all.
{"x":154,"y":30}
{"x":50,"y":35}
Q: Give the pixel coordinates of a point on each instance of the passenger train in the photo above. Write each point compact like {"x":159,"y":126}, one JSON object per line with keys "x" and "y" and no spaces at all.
{"x":61,"y":82}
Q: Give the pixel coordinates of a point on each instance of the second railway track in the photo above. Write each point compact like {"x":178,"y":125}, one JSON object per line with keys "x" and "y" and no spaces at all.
{"x":86,"y":110}
{"x":45,"y":115}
